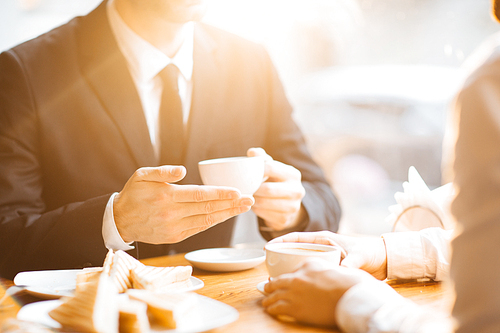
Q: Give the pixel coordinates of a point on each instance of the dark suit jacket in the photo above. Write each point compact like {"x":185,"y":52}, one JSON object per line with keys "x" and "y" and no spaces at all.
{"x":72,"y":131}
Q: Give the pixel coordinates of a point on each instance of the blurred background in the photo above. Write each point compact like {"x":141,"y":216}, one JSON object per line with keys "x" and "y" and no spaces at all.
{"x":371,"y":82}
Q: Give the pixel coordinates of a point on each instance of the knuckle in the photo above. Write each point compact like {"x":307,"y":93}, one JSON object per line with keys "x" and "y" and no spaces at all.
{"x":165,"y":197}
{"x":235,"y":204}
{"x":163,"y":172}
{"x":140,"y":173}
{"x":221,"y":194}
{"x":198,"y":195}
{"x":209,"y":220}
{"x":209,"y":207}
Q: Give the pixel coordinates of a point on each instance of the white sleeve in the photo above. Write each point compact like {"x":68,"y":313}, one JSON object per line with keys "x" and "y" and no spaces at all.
{"x":375,"y":307}
{"x":418,"y":254}
{"x":476,"y":207}
{"x":110,"y":234}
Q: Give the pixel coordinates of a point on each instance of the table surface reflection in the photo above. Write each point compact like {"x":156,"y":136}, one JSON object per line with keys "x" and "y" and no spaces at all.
{"x":238,"y":289}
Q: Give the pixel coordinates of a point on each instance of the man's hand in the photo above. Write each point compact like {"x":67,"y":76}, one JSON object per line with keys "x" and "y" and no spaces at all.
{"x":366,"y":253}
{"x":278,"y":200}
{"x":310,"y":295}
{"x":152,"y":210}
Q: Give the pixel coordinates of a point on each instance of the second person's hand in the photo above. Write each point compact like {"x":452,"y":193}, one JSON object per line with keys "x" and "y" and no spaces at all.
{"x":310,"y":294}
{"x":367,"y":253}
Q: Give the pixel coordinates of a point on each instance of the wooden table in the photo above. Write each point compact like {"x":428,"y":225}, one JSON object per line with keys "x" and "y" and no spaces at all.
{"x":238,"y":289}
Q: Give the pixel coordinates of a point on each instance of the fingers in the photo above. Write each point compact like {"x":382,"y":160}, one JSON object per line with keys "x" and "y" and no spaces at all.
{"x":281,"y":282}
{"x":280,"y":308}
{"x":185,"y":193}
{"x":207,"y":213}
{"x":276,"y":220}
{"x":296,"y":237}
{"x":209,"y":207}
{"x":275,"y":296}
{"x":278,"y":203}
{"x":278,"y":200}
{"x":277,"y":207}
{"x":201,"y":193}
{"x":211,"y":219}
{"x":165,"y":173}
{"x":316,"y":237}
{"x":259,"y":152}
{"x":278,"y":300}
{"x":281,"y":190}
{"x":192,"y":225}
{"x":352,"y":261}
{"x":277,"y":171}
{"x":285,"y":296}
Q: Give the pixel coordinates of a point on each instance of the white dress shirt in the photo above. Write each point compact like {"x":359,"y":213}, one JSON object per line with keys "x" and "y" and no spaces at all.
{"x":145,"y":62}
{"x":375,"y":307}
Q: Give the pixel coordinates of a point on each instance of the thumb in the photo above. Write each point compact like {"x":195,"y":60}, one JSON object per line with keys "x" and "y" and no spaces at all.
{"x":259,"y":152}
{"x":163,"y":174}
{"x":352,"y":261}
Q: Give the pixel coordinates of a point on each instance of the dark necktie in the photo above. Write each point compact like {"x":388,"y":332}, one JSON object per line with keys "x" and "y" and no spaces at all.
{"x":171,"y":120}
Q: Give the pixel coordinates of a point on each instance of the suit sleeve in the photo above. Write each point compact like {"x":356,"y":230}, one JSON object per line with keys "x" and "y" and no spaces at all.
{"x":285,"y":143}
{"x":31,"y":237}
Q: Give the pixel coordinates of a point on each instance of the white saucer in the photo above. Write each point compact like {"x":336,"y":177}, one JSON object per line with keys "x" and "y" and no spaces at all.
{"x":226,"y":259}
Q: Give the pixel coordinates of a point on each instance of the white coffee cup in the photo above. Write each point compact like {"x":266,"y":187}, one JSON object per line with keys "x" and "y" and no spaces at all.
{"x":244,"y":173}
{"x":286,"y":257}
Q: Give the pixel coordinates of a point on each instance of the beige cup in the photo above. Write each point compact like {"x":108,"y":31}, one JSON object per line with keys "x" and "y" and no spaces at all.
{"x":244,"y":173}
{"x":284,"y":258}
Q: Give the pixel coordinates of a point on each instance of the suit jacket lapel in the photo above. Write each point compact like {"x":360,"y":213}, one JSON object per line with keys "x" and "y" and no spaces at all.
{"x":106,"y":70}
{"x":207,"y":100}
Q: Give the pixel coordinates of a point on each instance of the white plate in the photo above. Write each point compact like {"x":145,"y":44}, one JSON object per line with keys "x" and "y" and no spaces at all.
{"x":57,"y":283}
{"x":206,"y":315}
{"x":50,"y":283}
{"x":226,"y":259}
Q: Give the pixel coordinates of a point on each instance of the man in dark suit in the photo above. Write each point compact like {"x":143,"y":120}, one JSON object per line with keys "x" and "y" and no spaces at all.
{"x":81,"y":161}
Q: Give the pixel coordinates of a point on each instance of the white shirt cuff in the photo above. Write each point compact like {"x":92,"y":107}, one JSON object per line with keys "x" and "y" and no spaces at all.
{"x":418,"y":254}
{"x":405,"y":255}
{"x":110,"y":234}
